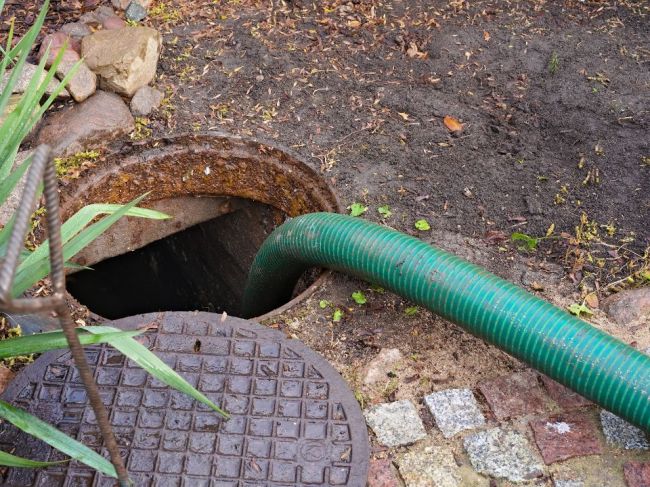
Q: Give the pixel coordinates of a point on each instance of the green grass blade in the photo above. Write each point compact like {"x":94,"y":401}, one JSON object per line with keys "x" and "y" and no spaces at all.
{"x":77,"y":222}
{"x":22,"y":51}
{"x":27,"y":42}
{"x":9,"y":460}
{"x":4,"y":62}
{"x":55,"y":340}
{"x":28,"y":111}
{"x":78,"y":267}
{"x":5,"y":234}
{"x":55,"y":438}
{"x":62,"y":84}
{"x":142,"y":356}
{"x":83,"y":217}
{"x":37,"y":266}
{"x":7,"y":184}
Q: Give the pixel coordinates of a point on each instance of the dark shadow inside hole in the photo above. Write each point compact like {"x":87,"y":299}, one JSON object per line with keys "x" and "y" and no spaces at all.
{"x":203,"y":267}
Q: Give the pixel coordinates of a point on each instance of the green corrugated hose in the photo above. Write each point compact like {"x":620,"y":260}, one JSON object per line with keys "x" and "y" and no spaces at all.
{"x":574,"y":353}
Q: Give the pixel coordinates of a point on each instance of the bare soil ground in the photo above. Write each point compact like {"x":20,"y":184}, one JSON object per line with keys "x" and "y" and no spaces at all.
{"x":553,"y":97}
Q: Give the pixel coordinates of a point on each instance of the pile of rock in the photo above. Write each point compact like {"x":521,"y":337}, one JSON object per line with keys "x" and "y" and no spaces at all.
{"x":520,"y":428}
{"x":110,"y":56}
{"x":135,"y":10}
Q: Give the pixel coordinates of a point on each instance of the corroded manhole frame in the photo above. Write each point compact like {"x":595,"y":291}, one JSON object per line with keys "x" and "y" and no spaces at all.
{"x":210,"y":164}
{"x":293,"y":416}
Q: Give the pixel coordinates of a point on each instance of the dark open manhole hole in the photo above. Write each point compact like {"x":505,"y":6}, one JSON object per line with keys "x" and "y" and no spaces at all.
{"x":225,"y":195}
{"x":293,"y":419}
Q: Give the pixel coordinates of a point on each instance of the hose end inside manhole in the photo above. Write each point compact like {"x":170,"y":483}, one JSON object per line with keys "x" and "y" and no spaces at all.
{"x":225,"y":196}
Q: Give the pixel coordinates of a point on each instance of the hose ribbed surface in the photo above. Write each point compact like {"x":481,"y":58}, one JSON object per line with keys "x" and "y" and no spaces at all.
{"x":574,"y":353}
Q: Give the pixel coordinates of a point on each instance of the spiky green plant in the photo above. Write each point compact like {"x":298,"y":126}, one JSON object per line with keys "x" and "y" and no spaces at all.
{"x":77,"y":233}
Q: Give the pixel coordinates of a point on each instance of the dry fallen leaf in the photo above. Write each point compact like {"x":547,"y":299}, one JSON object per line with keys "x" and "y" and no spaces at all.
{"x":494,"y":236}
{"x":452,"y":124}
{"x":6,"y":375}
{"x":414,"y":51}
{"x":592,"y":300}
{"x":404,"y":115}
{"x":354,"y":24}
{"x":486,"y":35}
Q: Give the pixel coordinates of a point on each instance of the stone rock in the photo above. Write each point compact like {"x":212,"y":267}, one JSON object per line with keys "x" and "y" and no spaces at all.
{"x":454,"y":410}
{"x":503,"y":454}
{"x":622,"y":434}
{"x":564,"y":396}
{"x":568,"y":483}
{"x":628,"y":306}
{"x":98,"y":16}
{"x":55,"y":42}
{"x":99,"y":119}
{"x":566,"y":436}
{"x":429,"y":466}
{"x":124,"y":59}
{"x":34,"y":323}
{"x":637,"y":474}
{"x":379,"y":366}
{"x":514,"y":395}
{"x":76,"y":30}
{"x":11,"y":104}
{"x":145,"y":101}
{"x":13,"y":200}
{"x":113,"y":23}
{"x":135,"y":11}
{"x":83,"y":82}
{"x":534,"y":206}
{"x":380,"y":474}
{"x":123,"y":4}
{"x":26,"y":75}
{"x":396,"y":423}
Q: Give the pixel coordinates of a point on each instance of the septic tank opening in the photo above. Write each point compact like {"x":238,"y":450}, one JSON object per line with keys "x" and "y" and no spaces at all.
{"x":203,"y":267}
{"x":225,"y":196}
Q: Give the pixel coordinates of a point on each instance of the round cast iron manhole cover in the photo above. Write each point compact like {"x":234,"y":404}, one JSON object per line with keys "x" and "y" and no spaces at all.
{"x":293,"y":419}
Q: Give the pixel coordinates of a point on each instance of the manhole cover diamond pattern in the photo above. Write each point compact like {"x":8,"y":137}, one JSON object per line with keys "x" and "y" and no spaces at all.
{"x":294,"y":422}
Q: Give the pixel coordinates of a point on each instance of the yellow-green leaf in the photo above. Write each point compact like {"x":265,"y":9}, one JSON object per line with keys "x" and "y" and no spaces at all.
{"x":357,"y":209}
{"x":422,"y":225}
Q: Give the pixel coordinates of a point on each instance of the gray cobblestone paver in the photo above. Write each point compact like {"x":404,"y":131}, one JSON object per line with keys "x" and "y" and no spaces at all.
{"x":454,"y":410}
{"x":395,"y":423}
{"x":620,"y":433}
{"x":503,"y":453}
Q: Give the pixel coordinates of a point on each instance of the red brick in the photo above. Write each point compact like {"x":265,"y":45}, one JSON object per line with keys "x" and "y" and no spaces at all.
{"x":381,"y":474}
{"x":565,"y":397}
{"x":566,"y":436}
{"x":514,"y":395}
{"x":637,"y":474}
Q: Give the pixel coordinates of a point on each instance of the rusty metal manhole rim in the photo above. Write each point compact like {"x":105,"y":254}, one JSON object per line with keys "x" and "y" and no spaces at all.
{"x":156,"y":148}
